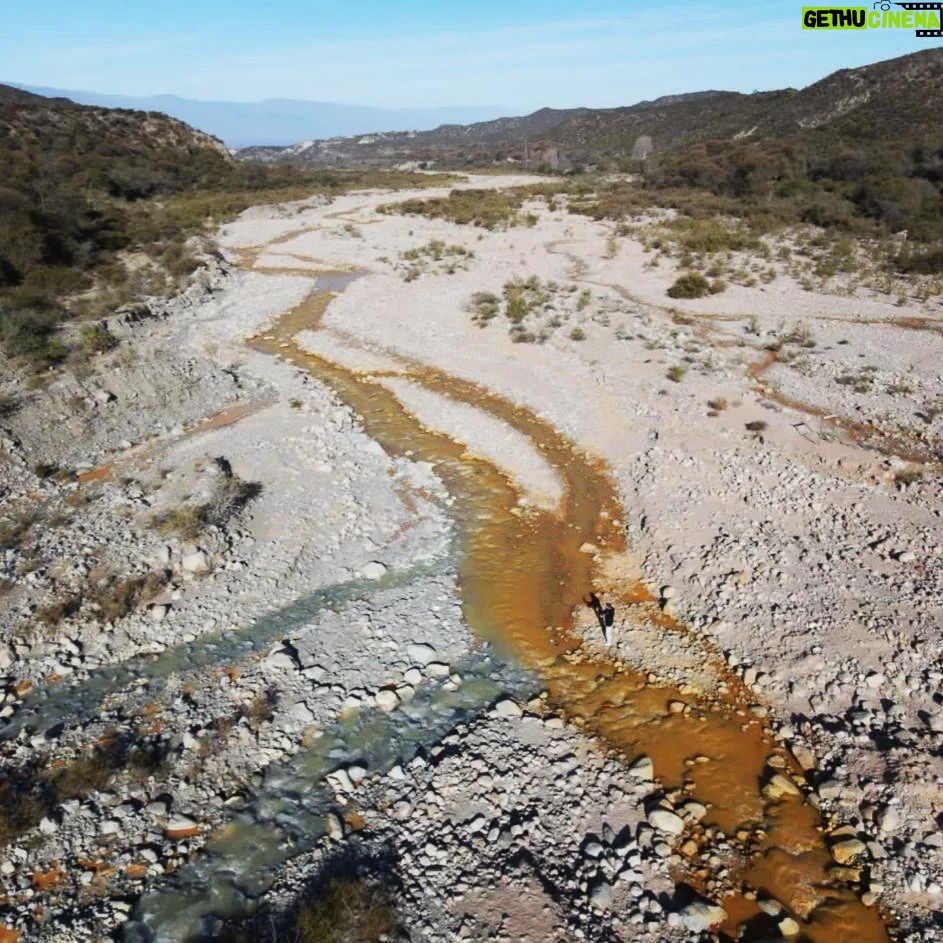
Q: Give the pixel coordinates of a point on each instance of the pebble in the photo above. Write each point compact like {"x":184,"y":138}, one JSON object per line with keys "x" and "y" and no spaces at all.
{"x":373,"y":570}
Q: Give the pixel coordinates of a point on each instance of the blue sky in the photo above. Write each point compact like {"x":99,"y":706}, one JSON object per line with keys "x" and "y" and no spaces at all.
{"x":519,"y":55}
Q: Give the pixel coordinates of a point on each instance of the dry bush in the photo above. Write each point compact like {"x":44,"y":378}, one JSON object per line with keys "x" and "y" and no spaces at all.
{"x":116,"y":598}
{"x":349,"y":911}
{"x":58,"y":610}
{"x":84,"y":775}
{"x":22,"y":803}
{"x":14,"y":531}
{"x":260,"y":710}
{"x":230,"y":495}
{"x":187,"y":521}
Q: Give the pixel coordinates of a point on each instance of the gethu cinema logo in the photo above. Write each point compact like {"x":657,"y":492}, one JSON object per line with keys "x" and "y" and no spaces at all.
{"x":925,"y":18}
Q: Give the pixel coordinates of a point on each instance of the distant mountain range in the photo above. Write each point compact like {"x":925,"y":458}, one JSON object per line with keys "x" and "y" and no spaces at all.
{"x":892,"y":101}
{"x":277,"y":120}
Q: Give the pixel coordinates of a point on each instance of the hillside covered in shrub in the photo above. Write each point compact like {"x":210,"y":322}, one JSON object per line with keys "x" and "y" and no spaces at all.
{"x":97,"y":205}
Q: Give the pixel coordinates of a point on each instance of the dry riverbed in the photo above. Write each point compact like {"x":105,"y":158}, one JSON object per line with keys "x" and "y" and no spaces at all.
{"x":305,"y":608}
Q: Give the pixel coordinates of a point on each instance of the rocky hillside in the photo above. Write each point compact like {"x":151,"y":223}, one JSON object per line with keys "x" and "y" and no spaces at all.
{"x":17,"y":96}
{"x":879,"y":102}
{"x":96,"y":206}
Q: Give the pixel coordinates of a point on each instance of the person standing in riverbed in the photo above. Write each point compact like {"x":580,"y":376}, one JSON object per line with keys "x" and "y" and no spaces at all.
{"x":605,"y":614}
{"x":593,"y":602}
{"x":608,"y":617}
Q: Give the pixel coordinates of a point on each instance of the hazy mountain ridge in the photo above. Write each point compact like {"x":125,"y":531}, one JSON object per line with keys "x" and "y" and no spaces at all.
{"x":880,"y":101}
{"x":276,"y":121}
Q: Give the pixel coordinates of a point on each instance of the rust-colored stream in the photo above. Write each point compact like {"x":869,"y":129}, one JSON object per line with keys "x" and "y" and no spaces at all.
{"x":522,"y":574}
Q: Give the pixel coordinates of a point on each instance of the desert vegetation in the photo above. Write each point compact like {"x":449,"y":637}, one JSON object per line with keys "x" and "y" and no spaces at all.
{"x":99,"y":208}
{"x":487,"y":209}
{"x":435,"y":256}
{"x":534,"y":309}
{"x":228,"y":496}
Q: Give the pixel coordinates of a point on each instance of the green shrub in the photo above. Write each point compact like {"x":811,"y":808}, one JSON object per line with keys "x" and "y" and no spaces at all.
{"x":29,"y":333}
{"x":676,"y":373}
{"x":516,"y":308}
{"x":489,"y":209}
{"x":484,"y":306}
{"x":97,"y":339}
{"x":929,"y":262}
{"x":690,"y":285}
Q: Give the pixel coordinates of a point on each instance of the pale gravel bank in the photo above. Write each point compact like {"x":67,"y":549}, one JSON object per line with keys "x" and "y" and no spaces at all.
{"x":792,"y":550}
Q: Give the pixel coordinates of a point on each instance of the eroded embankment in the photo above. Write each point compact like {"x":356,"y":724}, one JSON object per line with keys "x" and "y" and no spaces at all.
{"x":522,"y":574}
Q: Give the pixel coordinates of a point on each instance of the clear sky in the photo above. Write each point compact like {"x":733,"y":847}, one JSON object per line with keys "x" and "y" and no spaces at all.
{"x":518,"y":54}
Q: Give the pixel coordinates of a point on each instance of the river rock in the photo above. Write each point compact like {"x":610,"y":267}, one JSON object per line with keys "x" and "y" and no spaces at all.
{"x":387,"y":700}
{"x":340,"y":781}
{"x":694,"y":810}
{"x":643,"y":769}
{"x":600,"y":894}
{"x":848,"y":850}
{"x":666,"y":821}
{"x":780,"y":786}
{"x":420,"y":653}
{"x":888,"y":819}
{"x":700,"y":915}
{"x":196,"y":563}
{"x":334,"y":826}
{"x":507,"y":708}
{"x":181,"y":826}
{"x":373,"y":570}
{"x":804,"y":756}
